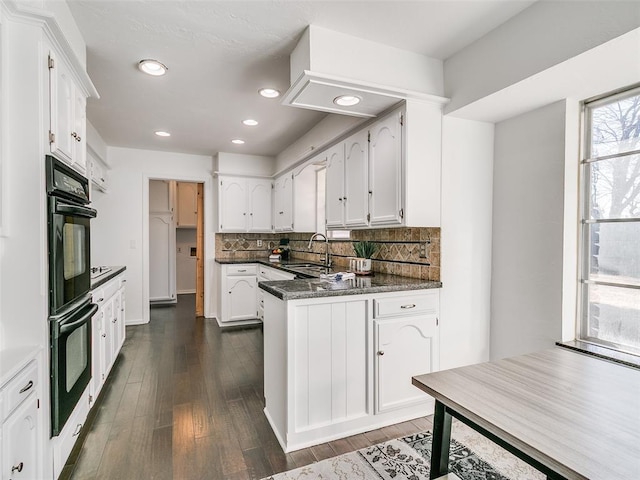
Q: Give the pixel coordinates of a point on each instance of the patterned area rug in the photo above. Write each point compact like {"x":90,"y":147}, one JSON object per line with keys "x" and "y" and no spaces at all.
{"x":408,"y":458}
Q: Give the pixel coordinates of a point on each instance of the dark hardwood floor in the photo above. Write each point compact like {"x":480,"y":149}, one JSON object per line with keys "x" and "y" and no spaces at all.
{"x":184,"y":401}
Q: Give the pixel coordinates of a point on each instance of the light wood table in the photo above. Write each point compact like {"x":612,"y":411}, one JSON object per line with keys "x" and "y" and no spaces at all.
{"x":567,"y":414}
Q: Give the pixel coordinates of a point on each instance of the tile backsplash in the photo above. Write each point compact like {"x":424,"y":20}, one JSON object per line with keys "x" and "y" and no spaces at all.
{"x":398,"y":253}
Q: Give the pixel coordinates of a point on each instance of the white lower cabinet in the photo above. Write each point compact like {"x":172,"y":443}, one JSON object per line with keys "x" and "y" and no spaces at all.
{"x":108,"y":330}
{"x":20,"y":442}
{"x":21,"y":426}
{"x":239,"y":284}
{"x":63,"y":443}
{"x":340,"y":365}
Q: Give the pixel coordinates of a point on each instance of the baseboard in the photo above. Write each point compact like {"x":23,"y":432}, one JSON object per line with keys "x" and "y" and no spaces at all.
{"x":186,"y":292}
{"x":136,"y":321}
{"x":239,"y":323}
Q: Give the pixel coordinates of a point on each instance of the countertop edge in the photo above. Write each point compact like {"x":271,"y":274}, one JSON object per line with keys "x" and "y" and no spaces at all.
{"x":101,"y":280}
{"x":276,"y":292}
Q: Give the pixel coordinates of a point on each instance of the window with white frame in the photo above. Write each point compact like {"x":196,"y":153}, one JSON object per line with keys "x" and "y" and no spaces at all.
{"x":610,"y":240}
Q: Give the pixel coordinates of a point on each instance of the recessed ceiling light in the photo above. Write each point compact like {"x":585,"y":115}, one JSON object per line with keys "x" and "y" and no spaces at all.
{"x":250,"y":122}
{"x":161,"y":133}
{"x":347,"y":100}
{"x":269,"y":92}
{"x":152,"y":67}
{"x":237,"y":141}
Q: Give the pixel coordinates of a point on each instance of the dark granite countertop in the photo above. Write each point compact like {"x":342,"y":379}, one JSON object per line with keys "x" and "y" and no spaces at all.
{"x":102,"y":279}
{"x":317,"y":288}
{"x":314,"y":287}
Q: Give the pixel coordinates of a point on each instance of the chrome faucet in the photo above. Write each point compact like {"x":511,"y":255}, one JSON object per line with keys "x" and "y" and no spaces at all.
{"x":327,"y":248}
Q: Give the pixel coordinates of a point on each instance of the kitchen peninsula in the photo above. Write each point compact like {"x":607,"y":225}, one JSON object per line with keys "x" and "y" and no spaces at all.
{"x":339,"y":355}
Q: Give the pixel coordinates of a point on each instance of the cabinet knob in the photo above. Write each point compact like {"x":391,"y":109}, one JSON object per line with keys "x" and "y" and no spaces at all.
{"x":344,"y":198}
{"x":17,"y":467}
{"x":74,"y":134}
{"x":78,"y":428}
{"x":104,"y":335}
{"x":411,"y":305}
{"x":78,"y":138}
{"x":380,"y":352}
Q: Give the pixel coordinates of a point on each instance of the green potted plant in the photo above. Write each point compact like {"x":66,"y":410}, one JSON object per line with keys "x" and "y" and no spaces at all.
{"x":364,"y":251}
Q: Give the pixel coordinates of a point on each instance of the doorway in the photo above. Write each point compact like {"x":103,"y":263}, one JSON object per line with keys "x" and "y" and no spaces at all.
{"x":176,"y":234}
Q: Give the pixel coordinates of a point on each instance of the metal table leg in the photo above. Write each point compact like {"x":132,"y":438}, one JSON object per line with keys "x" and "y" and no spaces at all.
{"x":441,"y":442}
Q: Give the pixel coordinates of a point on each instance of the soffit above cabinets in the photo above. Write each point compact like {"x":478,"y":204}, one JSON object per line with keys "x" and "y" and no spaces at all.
{"x":326,"y":64}
{"x":316,"y":91}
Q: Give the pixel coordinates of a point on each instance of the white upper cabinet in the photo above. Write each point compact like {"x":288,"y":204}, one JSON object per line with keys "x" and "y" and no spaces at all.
{"x":390,"y":172}
{"x":67,"y":110}
{"x":259,"y":191}
{"x":97,"y":172}
{"x":355,"y":199}
{"x":334,"y":189}
{"x":283,"y":203}
{"x":244,"y":204}
{"x":385,"y":163}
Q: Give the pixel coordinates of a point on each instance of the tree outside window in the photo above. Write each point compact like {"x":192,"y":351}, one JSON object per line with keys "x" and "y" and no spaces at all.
{"x":611,"y":223}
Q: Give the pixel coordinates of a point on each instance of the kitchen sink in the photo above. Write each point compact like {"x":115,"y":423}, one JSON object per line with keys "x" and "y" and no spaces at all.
{"x":309,"y":269}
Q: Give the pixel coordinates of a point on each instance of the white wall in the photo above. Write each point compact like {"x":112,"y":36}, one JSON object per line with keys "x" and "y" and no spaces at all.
{"x":185,"y":263}
{"x":528,"y":217}
{"x":465,"y":243}
{"x":120,"y":233}
{"x":543,"y":35}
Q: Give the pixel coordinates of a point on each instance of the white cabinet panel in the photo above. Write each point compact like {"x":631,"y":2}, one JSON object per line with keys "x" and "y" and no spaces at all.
{"x":405,"y":347}
{"x":259,"y":191}
{"x":385,"y":161}
{"x":245,"y":204}
{"x":283,"y":203}
{"x":162,"y":259}
{"x":20,"y":437}
{"x":356,"y":194}
{"x":330,"y":379}
{"x":335,"y":186}
{"x":233,"y":204}
{"x":67,"y":115}
{"x":239,"y":292}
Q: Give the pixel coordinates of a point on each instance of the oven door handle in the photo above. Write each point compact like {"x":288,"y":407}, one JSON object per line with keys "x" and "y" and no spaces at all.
{"x":67,"y":327}
{"x":76,"y":210}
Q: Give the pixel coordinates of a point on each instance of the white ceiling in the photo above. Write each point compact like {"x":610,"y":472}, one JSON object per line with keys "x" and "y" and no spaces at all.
{"x":220,"y":53}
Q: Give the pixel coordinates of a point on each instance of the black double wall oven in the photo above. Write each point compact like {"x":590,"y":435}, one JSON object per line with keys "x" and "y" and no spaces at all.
{"x":70,"y":307}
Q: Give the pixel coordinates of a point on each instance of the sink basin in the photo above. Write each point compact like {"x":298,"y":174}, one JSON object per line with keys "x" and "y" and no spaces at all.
{"x":310,"y":269}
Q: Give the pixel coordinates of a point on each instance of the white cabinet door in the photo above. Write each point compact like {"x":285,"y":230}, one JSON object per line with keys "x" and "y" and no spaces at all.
{"x":283,"y":200}
{"x":97,"y":343}
{"x":405,"y":347}
{"x":356,"y":191}
{"x":162,"y":257}
{"x":106,"y":338}
{"x":241,"y":298}
{"x":335,"y":186}
{"x":233,"y":204}
{"x":260,"y":193}
{"x":385,"y":169}
{"x":79,"y":130}
{"x":67,"y":116}
{"x":187,"y":205}
{"x":62,"y":97}
{"x":20,"y":437}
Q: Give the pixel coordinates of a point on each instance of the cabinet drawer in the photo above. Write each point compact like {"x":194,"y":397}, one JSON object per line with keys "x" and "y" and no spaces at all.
{"x":19,"y":388}
{"x":405,"y":305}
{"x":242,"y":270}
